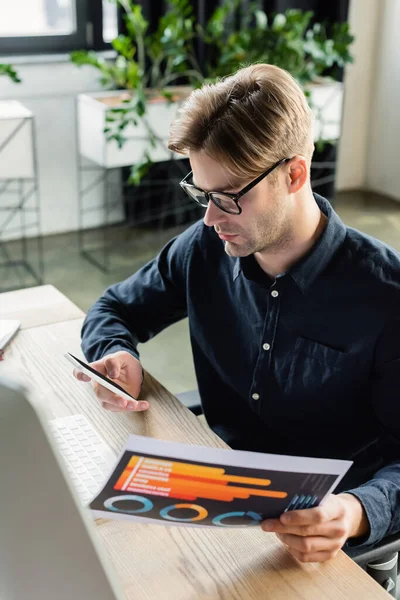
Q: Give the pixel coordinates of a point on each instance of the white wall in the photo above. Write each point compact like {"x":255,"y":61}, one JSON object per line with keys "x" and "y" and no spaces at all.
{"x":359,"y":81}
{"x":382,"y":168}
{"x":49,"y":90}
{"x":369,"y":145}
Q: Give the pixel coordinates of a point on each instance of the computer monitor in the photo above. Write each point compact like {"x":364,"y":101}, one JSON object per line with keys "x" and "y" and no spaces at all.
{"x":48,"y":543}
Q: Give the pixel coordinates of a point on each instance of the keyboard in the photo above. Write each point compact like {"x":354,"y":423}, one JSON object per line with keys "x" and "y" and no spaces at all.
{"x":88,"y":459}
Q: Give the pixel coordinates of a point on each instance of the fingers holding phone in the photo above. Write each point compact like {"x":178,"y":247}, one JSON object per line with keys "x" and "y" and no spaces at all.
{"x":124,"y":370}
{"x":81,"y":376}
{"x":116,"y":380}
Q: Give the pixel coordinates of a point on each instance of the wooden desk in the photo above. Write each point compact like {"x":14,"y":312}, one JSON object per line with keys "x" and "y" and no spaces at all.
{"x":35,"y":306}
{"x":155,"y":562}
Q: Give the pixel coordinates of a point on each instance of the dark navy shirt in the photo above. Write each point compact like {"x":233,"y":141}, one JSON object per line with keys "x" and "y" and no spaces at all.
{"x":307,"y":364}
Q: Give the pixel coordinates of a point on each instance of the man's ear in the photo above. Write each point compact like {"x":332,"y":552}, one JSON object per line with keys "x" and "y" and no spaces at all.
{"x":298,"y":174}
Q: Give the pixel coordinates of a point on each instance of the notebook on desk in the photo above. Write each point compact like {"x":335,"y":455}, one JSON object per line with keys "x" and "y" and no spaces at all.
{"x":48,"y":543}
{"x":8,"y":329}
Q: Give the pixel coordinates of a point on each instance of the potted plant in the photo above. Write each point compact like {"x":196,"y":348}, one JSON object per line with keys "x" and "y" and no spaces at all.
{"x":136,"y":113}
{"x":138,"y":118}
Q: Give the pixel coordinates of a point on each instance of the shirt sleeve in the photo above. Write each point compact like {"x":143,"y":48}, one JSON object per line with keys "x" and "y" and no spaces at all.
{"x":135,"y":310}
{"x":380,"y":496}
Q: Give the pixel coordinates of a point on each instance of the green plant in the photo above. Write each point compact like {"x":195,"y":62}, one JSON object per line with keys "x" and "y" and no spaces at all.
{"x":10,"y":72}
{"x":147,"y":63}
{"x":149,"y":60}
{"x":287,"y":40}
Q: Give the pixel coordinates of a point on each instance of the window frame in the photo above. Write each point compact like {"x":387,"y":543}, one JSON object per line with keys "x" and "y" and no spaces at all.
{"x":88,"y":35}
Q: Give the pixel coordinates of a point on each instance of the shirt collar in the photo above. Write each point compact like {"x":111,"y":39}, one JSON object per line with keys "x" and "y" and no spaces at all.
{"x":236,"y":268}
{"x":310,"y":266}
{"x":305,"y":272}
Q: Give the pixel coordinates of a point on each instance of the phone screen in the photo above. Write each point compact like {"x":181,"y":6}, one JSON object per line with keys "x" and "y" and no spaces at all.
{"x":110,"y":381}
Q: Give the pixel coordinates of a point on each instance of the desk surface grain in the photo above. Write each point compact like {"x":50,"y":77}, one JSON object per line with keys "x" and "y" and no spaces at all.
{"x":154,"y":562}
{"x":36,"y":306}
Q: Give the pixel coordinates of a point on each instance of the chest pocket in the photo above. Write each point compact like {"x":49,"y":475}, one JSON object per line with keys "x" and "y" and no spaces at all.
{"x":320,"y":375}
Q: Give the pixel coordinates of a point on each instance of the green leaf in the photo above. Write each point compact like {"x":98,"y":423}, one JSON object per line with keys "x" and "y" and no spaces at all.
{"x":133,"y":75}
{"x":123,"y":45}
{"x":167,"y":95}
{"x":135,"y":22}
{"x":140,"y":169}
{"x":10,"y":72}
{"x":261,"y":20}
{"x":279,"y":22}
{"x":120,"y":139}
{"x":83,"y":57}
{"x":140,"y":102}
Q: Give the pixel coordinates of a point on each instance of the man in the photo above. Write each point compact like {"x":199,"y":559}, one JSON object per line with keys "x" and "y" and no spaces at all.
{"x":294,"y":318}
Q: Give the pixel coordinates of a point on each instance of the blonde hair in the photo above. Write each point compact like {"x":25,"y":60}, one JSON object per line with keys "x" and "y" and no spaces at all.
{"x":247,"y":121}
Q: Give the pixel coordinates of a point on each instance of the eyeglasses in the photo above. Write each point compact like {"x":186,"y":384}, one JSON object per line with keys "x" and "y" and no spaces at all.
{"x":227,"y":202}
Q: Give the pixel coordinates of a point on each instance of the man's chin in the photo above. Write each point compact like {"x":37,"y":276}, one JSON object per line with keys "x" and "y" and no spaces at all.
{"x":237,"y":250}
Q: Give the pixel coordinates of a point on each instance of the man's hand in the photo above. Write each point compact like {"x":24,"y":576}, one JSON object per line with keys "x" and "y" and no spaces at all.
{"x":126,"y":371}
{"x":317,"y":534}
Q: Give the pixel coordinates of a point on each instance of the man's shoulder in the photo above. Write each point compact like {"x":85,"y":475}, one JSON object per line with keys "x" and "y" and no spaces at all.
{"x":372,"y":257}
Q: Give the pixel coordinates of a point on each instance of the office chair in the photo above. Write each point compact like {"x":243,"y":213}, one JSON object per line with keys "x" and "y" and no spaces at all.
{"x":191,"y":400}
{"x":381,"y":563}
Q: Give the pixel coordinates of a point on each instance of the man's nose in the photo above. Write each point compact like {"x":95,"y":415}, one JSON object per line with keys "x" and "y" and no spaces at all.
{"x":214,"y":215}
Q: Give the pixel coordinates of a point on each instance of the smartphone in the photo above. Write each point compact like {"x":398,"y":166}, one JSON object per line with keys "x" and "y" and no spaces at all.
{"x":93,"y":374}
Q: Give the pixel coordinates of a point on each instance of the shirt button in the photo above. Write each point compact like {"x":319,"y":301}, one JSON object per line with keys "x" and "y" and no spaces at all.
{"x":274,"y":294}
{"x":256,"y":396}
{"x":266,"y":346}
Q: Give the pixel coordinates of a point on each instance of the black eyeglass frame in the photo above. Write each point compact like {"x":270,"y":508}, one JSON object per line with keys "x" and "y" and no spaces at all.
{"x":235,"y":197}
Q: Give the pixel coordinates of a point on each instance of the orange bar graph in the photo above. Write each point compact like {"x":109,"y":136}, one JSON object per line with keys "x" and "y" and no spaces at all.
{"x":189,"y":482}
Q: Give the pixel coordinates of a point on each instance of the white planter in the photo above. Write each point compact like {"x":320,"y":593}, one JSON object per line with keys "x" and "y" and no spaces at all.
{"x":16,"y":141}
{"x":92,"y":114}
{"x":327,"y":105}
{"x":326,"y":101}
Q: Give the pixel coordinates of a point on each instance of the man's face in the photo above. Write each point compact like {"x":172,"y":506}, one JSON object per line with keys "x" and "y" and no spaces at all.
{"x":265,"y":223}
